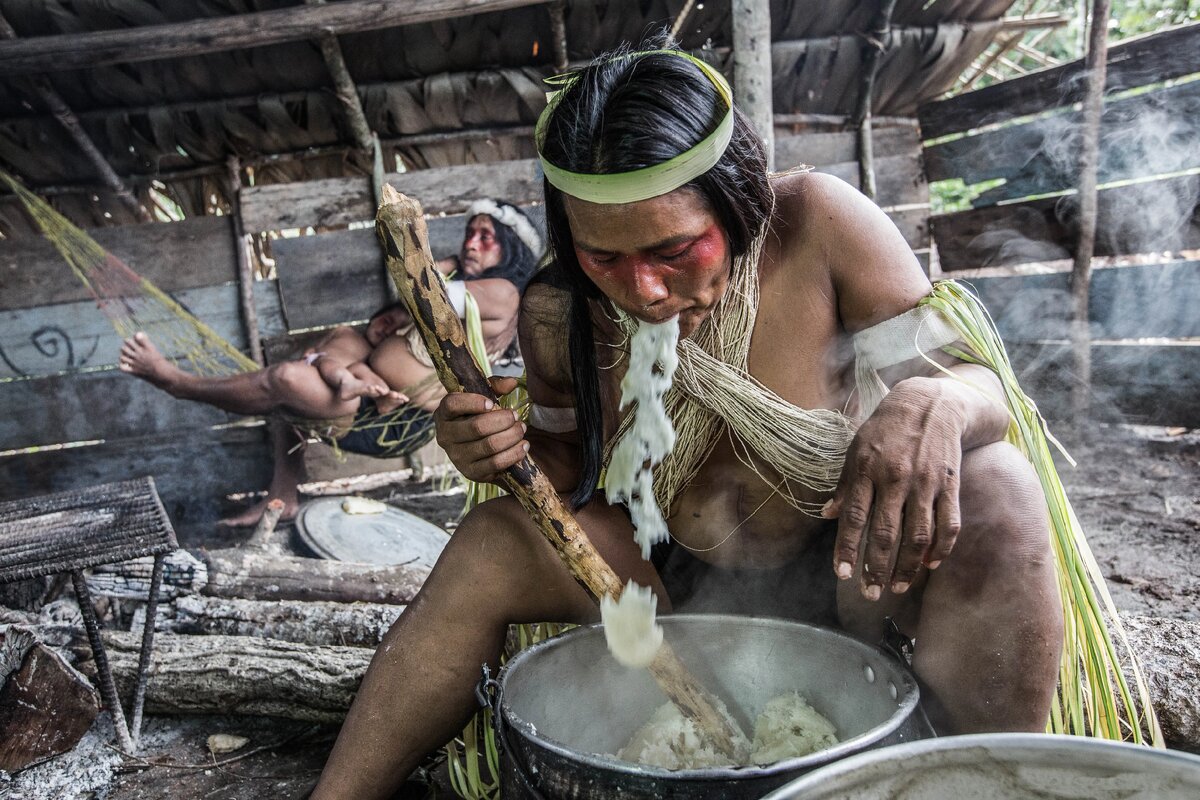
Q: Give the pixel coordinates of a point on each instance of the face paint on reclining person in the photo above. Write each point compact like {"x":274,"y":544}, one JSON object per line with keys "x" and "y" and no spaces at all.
{"x":481,"y":248}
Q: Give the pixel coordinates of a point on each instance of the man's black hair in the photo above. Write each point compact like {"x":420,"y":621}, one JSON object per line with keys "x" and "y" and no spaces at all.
{"x":622,"y":114}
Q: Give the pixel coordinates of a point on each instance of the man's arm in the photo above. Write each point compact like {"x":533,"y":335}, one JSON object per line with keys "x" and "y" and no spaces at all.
{"x":899,"y":487}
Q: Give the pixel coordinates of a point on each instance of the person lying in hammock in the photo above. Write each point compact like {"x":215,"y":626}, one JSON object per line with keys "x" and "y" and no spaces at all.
{"x":786,"y":494}
{"x":371,"y":392}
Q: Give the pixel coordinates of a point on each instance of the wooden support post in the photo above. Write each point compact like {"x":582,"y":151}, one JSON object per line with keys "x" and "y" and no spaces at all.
{"x":873,"y":49}
{"x":400,"y":225}
{"x":59,"y":109}
{"x":233,"y":173}
{"x":1095,"y":70}
{"x":558,"y":30}
{"x":681,"y":18}
{"x":343,"y":84}
{"x":752,"y":68}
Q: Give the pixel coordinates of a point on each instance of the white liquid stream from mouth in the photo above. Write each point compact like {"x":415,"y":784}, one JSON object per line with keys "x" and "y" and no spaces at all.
{"x":630,"y":477}
{"x":630,"y":630}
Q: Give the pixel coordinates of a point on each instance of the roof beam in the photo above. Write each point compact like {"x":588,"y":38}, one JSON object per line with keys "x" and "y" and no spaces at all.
{"x":59,"y":109}
{"x":215,"y":34}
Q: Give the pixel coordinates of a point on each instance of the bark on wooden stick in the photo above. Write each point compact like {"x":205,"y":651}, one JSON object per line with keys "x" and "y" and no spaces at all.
{"x":400,"y":225}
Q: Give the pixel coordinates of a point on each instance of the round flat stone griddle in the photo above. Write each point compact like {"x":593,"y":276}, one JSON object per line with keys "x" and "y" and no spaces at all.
{"x":390,"y":537}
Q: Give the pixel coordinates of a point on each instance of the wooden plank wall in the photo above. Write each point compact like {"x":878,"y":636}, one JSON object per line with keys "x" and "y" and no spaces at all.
{"x":59,"y":385}
{"x":1026,"y":131}
{"x":58,"y":382}
{"x":343,"y":268}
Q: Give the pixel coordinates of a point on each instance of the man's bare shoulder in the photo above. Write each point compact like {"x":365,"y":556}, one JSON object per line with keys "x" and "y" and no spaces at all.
{"x":871,"y":269}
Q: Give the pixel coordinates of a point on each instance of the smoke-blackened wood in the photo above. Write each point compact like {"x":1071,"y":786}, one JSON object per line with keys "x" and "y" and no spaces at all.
{"x":46,"y":705}
{"x":401,"y":228}
{"x":340,"y":201}
{"x":257,"y":576}
{"x":1169,"y":650}
{"x":1136,"y":62}
{"x":242,"y":675}
{"x":1153,"y":133}
{"x":1153,"y":216}
{"x":316,"y":623}
{"x":189,"y":254}
{"x":212,"y":35}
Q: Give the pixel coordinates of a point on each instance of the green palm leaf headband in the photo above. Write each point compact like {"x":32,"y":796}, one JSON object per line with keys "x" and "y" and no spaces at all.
{"x":647,"y":182}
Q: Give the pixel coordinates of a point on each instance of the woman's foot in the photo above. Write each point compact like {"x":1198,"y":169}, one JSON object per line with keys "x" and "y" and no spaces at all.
{"x":250,"y":517}
{"x":139,"y":357}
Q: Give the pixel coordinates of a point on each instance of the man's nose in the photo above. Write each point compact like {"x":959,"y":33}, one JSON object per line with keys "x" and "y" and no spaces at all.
{"x":646,"y":285}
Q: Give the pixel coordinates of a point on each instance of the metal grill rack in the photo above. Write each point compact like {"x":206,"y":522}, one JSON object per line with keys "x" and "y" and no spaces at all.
{"x":73,"y":530}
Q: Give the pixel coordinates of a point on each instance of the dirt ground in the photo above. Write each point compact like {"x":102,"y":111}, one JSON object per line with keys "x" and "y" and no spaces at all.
{"x":1136,"y":491}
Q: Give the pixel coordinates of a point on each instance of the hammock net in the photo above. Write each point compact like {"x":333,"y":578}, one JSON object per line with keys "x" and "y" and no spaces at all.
{"x":132,"y":303}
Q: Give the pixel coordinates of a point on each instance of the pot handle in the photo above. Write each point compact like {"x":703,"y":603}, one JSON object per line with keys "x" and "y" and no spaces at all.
{"x":897,"y":644}
{"x":487,"y":692}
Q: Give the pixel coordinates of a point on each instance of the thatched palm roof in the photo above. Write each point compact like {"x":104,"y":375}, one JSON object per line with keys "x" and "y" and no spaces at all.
{"x":476,"y":77}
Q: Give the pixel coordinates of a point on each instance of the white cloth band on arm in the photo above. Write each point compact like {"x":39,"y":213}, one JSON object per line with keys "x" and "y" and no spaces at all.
{"x":456,"y":293}
{"x":892,"y":342}
{"x":552,"y":420}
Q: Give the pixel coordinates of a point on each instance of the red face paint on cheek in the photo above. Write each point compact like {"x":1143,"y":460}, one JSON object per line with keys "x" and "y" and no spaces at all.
{"x":705,"y":253}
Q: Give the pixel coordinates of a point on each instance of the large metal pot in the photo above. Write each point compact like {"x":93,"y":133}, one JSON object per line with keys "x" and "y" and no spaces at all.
{"x":564,"y":705}
{"x":998,"y":766}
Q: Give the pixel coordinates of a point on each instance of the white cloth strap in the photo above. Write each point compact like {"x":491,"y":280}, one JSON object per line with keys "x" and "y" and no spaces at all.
{"x":456,"y":293}
{"x":894,"y":341}
{"x":552,"y":420}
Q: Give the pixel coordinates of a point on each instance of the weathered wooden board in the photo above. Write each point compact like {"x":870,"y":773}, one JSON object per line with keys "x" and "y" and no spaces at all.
{"x":338,"y":276}
{"x":1133,"y":383}
{"x":1157,"y":133}
{"x":193,"y":470}
{"x":834,"y":147}
{"x":70,"y":336}
{"x":336,"y":202}
{"x":95,"y":405}
{"x":1150,"y":301}
{"x":1136,"y":62}
{"x":899,"y":180}
{"x":173,"y":256}
{"x":1154,"y":216}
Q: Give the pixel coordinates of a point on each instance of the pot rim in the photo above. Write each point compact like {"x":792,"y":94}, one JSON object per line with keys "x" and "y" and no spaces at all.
{"x":1054,"y":745}
{"x":905,"y":683}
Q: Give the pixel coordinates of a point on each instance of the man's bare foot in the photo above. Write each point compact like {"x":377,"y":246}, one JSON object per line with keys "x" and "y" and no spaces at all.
{"x":139,"y":357}
{"x":250,"y":517}
{"x":389,"y":401}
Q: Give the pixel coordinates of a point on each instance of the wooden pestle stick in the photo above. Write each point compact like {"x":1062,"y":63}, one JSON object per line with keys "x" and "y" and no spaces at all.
{"x":400,"y":224}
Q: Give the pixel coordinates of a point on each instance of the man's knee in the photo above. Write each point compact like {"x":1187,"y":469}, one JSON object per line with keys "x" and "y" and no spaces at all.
{"x":287,"y":378}
{"x":1002,"y":503}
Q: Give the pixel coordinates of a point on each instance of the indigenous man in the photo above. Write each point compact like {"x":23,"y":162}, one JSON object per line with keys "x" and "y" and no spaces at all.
{"x":373,"y":392}
{"x":825,"y":503}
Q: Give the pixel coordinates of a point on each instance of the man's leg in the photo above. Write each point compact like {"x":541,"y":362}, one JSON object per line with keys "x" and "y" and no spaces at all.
{"x":988,"y":621}
{"x":293,"y":385}
{"x":287,"y":450}
{"x":419,"y":690}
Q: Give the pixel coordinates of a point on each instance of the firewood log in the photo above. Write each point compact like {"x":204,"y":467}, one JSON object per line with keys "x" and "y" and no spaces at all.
{"x":46,"y":705}
{"x":254,"y":575}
